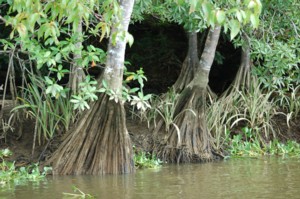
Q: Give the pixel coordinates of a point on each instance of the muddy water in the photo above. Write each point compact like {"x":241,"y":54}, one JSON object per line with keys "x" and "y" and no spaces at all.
{"x":235,"y":178}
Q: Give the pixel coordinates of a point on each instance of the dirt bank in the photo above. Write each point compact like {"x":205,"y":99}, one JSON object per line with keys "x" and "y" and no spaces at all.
{"x":20,"y":141}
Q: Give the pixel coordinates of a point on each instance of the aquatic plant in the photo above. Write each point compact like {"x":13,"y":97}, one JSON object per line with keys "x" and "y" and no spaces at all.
{"x":78,"y":194}
{"x":146,"y":160}
{"x":10,"y":173}
{"x":247,"y":144}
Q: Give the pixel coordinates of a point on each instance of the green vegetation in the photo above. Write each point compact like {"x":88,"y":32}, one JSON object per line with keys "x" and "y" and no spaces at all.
{"x":55,"y":45}
{"x":49,"y":113}
{"x":10,"y":174}
{"x":146,"y":160}
{"x":247,"y":144}
{"x":78,"y":194}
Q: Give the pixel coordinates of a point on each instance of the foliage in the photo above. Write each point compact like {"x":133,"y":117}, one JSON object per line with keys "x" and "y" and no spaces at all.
{"x":250,"y":108}
{"x":288,"y":101}
{"x":135,"y":95}
{"x":9,"y":173}
{"x":142,"y":8}
{"x":47,"y":33}
{"x":248,"y":147}
{"x":86,"y":93}
{"x":164,"y":108}
{"x":49,"y":113}
{"x":275,"y":50}
{"x":197,"y":15}
{"x":248,"y":144}
{"x":277,"y":64}
{"x":80,"y":194}
{"x":140,"y":100}
{"x":146,"y":160}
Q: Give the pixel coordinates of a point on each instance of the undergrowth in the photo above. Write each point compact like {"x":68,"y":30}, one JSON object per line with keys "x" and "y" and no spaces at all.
{"x":247,"y":144}
{"x":10,"y":173}
{"x":250,"y":108}
{"x":146,"y":160}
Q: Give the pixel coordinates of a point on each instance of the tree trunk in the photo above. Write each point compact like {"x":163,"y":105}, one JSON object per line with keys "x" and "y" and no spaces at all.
{"x":191,"y":143}
{"x":77,"y":74}
{"x":243,"y":76}
{"x":100,"y":142}
{"x":189,"y":65}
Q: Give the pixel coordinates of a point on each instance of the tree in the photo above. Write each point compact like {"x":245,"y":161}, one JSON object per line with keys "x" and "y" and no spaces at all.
{"x":99,"y":142}
{"x":191,"y":142}
{"x":189,"y":65}
{"x":275,"y":45}
{"x":188,"y":139}
{"x":77,"y":74}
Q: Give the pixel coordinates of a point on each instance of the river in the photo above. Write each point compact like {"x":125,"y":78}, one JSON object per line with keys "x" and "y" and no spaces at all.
{"x":234,"y":178}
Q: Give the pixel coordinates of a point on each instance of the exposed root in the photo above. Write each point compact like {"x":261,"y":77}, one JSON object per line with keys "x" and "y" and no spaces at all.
{"x":98,"y":144}
{"x":189,"y":65}
{"x":187,"y":139}
{"x":186,"y":75}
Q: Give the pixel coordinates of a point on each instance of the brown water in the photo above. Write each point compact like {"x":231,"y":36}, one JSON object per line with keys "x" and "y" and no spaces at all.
{"x":235,"y":178}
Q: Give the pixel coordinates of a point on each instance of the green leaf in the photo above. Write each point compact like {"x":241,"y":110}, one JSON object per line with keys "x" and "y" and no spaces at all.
{"x":22,"y":30}
{"x":104,"y":84}
{"x":102,"y":90}
{"x":6,"y":152}
{"x":58,"y":57}
{"x":220,"y":15}
{"x":193,"y":5}
{"x":239,"y":16}
{"x":129,"y":38}
{"x":47,"y":54}
{"x":207,"y":9}
{"x":133,"y":90}
{"x":59,"y":76}
{"x":254,"y":20}
{"x":32,"y":20}
{"x":234,"y":28}
{"x":251,"y":4}
{"x":48,"y":80}
{"x":147,"y":97}
{"x":141,"y":95}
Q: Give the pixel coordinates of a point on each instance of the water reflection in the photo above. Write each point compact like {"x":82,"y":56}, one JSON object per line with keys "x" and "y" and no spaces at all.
{"x":237,"y":178}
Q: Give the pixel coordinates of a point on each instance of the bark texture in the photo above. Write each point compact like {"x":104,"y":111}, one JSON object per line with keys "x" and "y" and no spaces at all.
{"x":189,"y":65}
{"x":113,"y":73}
{"x":243,"y":77}
{"x":98,"y":144}
{"x":77,"y":74}
{"x":188,"y":139}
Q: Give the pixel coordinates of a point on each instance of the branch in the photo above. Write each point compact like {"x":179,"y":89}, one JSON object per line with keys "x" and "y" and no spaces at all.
{"x":2,"y":19}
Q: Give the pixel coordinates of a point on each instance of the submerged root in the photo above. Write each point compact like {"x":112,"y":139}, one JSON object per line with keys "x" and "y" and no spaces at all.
{"x":187,"y":139}
{"x":98,"y":144}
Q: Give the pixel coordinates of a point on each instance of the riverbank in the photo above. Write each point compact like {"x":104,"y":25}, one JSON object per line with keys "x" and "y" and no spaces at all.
{"x":20,"y":139}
